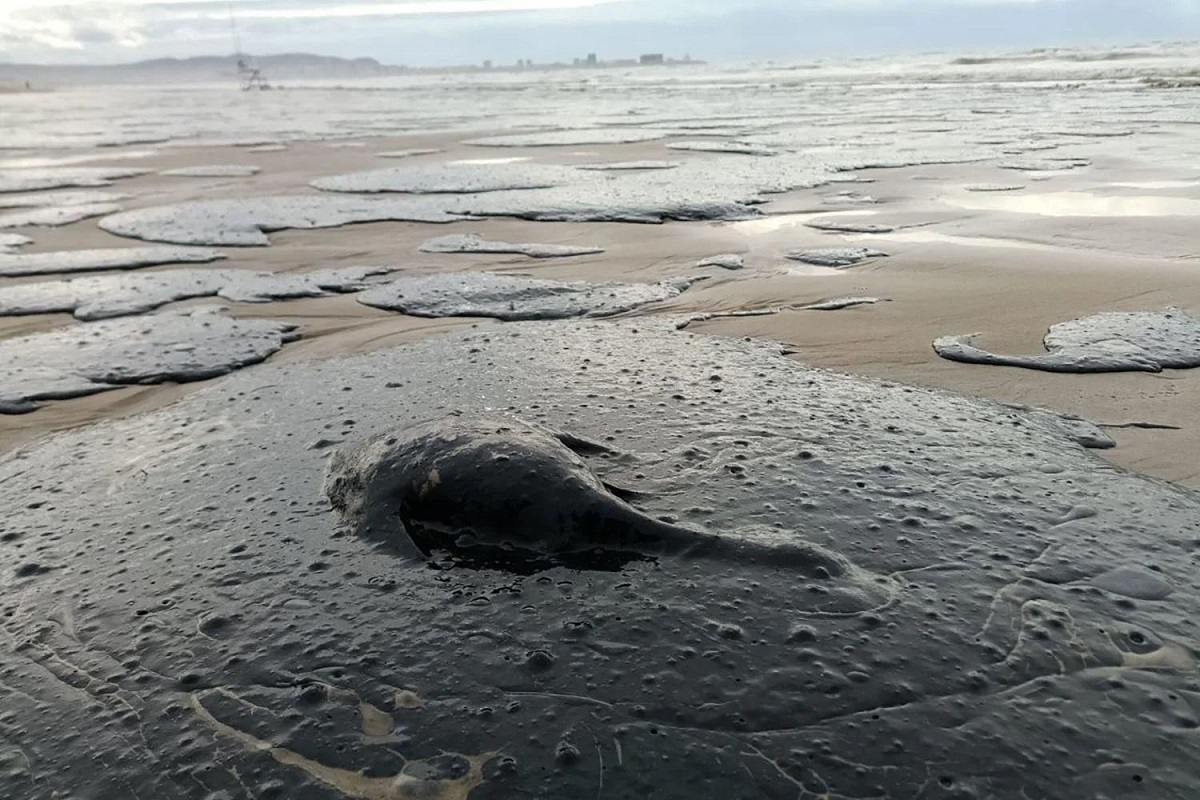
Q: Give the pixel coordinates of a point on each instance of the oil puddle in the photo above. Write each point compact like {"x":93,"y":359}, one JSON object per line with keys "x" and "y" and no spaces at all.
{"x":465,"y":178}
{"x":114,"y":295}
{"x":243,"y":222}
{"x":212,"y":171}
{"x":72,"y":160}
{"x":779,"y":222}
{"x":1156,"y":184}
{"x":123,"y":258}
{"x":836,"y":257}
{"x":100,"y":356}
{"x":471,"y":243}
{"x":932,"y":237}
{"x":33,"y":180}
{"x":1115,"y":341}
{"x":474,"y":161}
{"x":1077,"y":204}
{"x":514,"y":297}
{"x":571,"y":137}
{"x":811,"y":270}
{"x":411,"y":153}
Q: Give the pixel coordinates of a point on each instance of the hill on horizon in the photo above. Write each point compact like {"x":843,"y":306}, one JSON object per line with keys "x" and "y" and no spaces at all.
{"x":195,"y":69}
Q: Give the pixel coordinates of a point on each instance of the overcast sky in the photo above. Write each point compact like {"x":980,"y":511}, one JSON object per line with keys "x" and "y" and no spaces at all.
{"x":431,"y":32}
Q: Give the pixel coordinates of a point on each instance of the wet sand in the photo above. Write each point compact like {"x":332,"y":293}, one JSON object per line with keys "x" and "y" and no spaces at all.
{"x":988,"y":268}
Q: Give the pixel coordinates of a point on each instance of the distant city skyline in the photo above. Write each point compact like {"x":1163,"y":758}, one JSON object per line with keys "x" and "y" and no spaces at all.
{"x":448,"y":32}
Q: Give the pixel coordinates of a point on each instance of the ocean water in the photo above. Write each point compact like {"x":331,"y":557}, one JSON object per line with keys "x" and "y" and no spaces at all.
{"x":887,"y":109}
{"x":740,"y":134}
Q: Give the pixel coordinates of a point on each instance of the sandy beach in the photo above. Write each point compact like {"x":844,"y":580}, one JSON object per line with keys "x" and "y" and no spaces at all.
{"x":1005,"y":274}
{"x":772,"y":431}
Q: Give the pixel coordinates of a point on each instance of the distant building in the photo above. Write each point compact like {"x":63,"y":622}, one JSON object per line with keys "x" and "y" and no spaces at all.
{"x":651,"y":59}
{"x":487,"y":64}
{"x":591,"y":60}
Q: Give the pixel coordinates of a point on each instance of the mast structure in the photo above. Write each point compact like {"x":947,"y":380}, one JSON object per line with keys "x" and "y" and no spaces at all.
{"x":250,"y":75}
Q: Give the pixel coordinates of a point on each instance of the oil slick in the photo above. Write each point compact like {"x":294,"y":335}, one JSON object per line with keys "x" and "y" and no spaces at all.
{"x":1137,"y":341}
{"x":512,"y":297}
{"x":962,"y":583}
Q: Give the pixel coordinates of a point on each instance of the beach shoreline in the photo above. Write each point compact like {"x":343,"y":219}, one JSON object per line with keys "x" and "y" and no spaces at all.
{"x":1005,"y":275}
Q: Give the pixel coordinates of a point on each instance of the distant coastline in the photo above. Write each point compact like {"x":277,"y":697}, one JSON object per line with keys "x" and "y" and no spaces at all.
{"x":282,"y":67}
